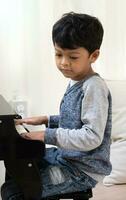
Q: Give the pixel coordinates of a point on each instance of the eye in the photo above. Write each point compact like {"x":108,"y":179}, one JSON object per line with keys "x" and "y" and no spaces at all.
{"x":58,"y":55}
{"x":73,"y":57}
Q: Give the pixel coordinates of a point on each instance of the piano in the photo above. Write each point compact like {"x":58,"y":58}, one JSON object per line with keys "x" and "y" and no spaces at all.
{"x":20,"y":156}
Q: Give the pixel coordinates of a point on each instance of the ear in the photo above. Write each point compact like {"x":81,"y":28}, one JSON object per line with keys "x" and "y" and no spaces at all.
{"x":94,"y":56}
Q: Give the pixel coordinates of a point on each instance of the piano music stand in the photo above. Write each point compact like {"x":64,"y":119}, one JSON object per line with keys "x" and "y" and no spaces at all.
{"x":20,"y":156}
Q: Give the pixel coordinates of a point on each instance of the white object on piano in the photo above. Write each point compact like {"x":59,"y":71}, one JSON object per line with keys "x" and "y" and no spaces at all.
{"x":20,"y":129}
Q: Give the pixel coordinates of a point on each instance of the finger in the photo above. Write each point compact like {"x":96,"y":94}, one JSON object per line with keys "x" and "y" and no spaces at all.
{"x":18,"y":121}
{"x":21,"y":121}
{"x":25,"y":136}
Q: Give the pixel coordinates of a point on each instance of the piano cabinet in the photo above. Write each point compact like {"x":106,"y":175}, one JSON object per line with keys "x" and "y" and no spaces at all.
{"x":20,"y":158}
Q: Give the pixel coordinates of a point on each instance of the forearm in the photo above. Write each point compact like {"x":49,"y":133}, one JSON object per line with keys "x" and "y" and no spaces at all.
{"x":83,"y":139}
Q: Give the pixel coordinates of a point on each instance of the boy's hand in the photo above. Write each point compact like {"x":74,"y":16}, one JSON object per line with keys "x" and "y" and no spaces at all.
{"x":33,"y":120}
{"x":38,"y":135}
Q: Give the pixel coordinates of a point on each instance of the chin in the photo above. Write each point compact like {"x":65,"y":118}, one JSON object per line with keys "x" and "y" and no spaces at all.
{"x":67,"y":76}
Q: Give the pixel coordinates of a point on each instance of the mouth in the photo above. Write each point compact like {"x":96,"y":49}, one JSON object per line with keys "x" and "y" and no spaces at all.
{"x":65,"y":70}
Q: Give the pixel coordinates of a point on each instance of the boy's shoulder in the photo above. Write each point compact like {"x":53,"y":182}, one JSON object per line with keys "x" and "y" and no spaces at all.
{"x":95,"y":82}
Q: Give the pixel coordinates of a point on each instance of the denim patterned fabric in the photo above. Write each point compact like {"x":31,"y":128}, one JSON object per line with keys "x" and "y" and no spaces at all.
{"x":96,"y":160}
{"x":56,"y":179}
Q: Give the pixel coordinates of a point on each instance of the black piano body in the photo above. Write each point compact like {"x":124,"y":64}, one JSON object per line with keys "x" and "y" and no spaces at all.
{"x":20,"y":156}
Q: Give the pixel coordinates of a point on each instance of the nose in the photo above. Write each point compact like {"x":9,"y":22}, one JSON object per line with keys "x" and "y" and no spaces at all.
{"x":65,"y":62}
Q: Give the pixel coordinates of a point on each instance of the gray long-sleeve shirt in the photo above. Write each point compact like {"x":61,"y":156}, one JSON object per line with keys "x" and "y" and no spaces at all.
{"x":94,"y":112}
{"x":82,"y":130}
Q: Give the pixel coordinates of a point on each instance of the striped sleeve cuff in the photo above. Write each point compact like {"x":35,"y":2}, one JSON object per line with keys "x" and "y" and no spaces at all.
{"x":50,"y":136}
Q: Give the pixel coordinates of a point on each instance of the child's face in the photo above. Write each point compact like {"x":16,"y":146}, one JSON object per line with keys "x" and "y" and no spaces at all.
{"x":75,"y":63}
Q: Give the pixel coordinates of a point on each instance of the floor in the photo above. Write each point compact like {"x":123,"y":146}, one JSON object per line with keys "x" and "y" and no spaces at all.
{"x":115,"y":192}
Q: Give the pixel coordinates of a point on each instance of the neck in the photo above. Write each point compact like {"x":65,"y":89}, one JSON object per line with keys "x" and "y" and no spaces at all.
{"x":89,"y":73}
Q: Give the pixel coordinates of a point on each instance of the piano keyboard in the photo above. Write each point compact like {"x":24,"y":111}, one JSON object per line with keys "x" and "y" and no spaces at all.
{"x":20,"y":129}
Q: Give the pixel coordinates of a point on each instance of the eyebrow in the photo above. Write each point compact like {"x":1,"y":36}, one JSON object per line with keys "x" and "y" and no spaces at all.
{"x":71,"y":51}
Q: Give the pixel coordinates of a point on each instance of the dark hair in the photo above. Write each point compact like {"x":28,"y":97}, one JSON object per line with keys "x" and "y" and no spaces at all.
{"x":75,"y":30}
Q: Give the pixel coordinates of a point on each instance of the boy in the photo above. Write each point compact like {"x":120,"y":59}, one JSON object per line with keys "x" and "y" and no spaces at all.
{"x":82,"y":130}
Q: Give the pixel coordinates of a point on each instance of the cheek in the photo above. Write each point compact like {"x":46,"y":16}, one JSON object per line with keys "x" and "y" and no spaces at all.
{"x":57,"y":61}
{"x":77,"y":67}
{"x":57,"y":64}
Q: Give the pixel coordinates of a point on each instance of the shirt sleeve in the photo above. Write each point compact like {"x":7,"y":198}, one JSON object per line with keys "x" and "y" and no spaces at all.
{"x":53,"y":121}
{"x":94,"y":115}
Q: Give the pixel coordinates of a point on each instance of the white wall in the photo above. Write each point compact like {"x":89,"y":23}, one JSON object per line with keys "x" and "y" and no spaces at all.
{"x":11,"y":47}
{"x":27,"y":66}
